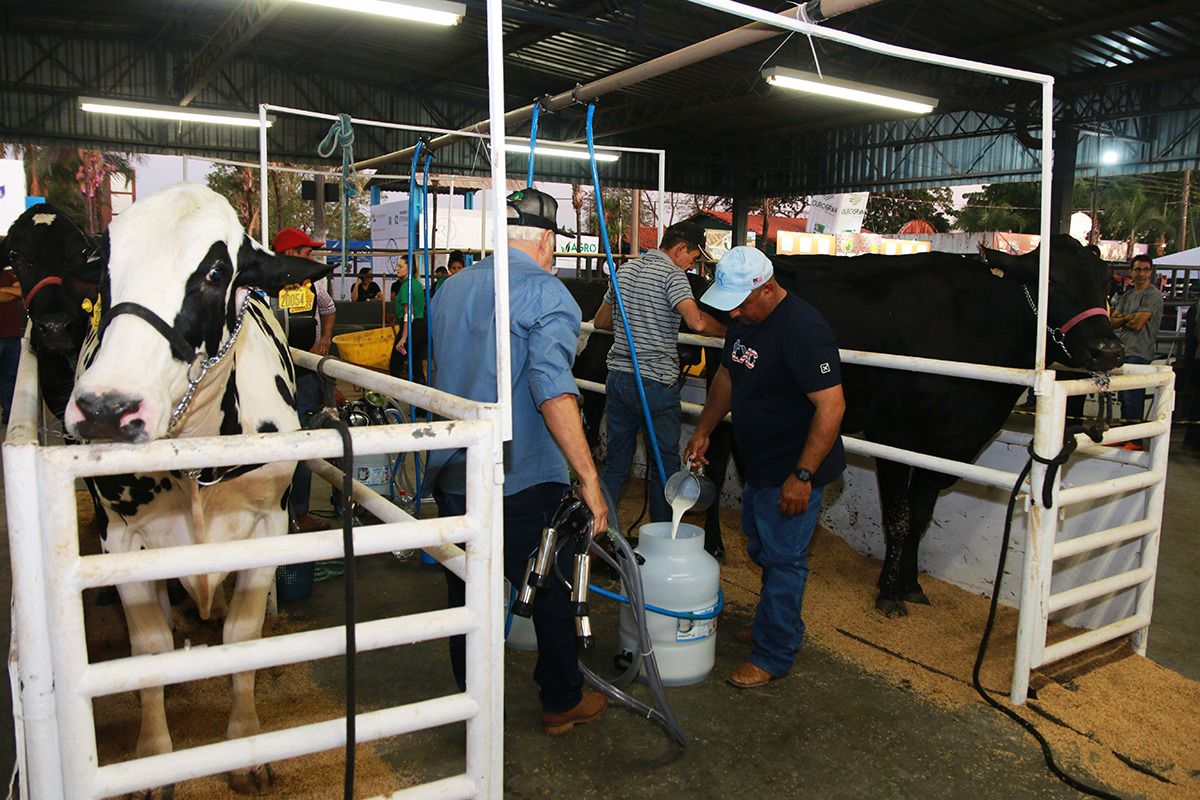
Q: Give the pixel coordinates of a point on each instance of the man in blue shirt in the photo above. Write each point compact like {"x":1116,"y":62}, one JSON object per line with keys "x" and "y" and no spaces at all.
{"x":781,"y":377}
{"x":543,"y":329}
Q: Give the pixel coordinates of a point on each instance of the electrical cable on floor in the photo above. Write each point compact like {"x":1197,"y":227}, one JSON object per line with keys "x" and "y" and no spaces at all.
{"x":1047,"y":753}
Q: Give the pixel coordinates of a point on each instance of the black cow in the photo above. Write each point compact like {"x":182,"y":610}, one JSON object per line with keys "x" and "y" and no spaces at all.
{"x":943,"y":306}
{"x":58,"y":266}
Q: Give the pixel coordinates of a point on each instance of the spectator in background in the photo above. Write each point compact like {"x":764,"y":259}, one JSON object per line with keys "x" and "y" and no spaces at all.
{"x":12,"y":327}
{"x":412,"y":337}
{"x":365,"y":288}
{"x":1135,"y":319}
{"x":456,"y":262}
{"x":439,"y":277}
{"x":312,"y":332}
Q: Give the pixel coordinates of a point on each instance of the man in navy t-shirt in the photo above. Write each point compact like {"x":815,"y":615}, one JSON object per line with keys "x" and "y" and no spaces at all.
{"x":781,"y":377}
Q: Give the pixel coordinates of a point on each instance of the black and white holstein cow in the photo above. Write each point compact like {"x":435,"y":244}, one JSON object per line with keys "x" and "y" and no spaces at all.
{"x":943,"y":306}
{"x":178,"y":305}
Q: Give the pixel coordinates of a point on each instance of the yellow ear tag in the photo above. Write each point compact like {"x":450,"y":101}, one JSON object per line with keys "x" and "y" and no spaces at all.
{"x":94,"y":309}
{"x":297,"y":298}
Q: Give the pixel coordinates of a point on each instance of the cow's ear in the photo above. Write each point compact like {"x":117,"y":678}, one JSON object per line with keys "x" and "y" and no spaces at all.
{"x":1023,"y":267}
{"x":261,"y":269}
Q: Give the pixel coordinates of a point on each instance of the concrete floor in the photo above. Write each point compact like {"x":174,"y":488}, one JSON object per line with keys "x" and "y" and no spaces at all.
{"x":828,"y":730}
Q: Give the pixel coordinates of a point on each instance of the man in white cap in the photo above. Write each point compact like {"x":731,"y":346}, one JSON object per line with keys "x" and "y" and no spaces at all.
{"x":781,"y":377}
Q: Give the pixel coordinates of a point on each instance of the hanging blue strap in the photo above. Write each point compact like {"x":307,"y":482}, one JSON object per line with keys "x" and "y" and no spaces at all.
{"x":341,"y":134}
{"x":426,"y":262}
{"x":652,"y":443}
{"x":533,"y":141}
{"x":413,"y":212}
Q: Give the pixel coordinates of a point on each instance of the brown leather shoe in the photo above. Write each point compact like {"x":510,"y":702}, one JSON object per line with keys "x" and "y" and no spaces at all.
{"x":586,"y":710}
{"x":749,"y":676}
{"x":745,"y":635}
{"x":307,"y":523}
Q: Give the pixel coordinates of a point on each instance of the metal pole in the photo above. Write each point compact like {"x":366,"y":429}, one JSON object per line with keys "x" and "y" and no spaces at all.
{"x":1161,"y":409}
{"x":499,"y":215}
{"x":263,"y":230}
{"x":1040,"y":533}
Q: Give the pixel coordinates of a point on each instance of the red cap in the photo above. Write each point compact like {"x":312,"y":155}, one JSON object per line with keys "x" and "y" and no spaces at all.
{"x":289,"y":238}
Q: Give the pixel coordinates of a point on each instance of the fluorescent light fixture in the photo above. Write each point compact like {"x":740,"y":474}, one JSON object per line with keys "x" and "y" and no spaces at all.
{"x":1110,"y":157}
{"x":561,"y":152}
{"x":126,"y":108}
{"x":848,"y":90}
{"x":434,"y":12}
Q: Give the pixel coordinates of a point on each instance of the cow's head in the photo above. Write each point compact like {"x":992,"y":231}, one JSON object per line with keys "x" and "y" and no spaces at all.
{"x":1077,"y":312}
{"x":58,"y":266}
{"x":178,"y":267}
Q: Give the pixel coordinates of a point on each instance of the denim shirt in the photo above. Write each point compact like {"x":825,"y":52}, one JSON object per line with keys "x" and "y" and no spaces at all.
{"x":543,"y":330}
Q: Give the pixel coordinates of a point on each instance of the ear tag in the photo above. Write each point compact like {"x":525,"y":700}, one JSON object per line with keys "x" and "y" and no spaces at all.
{"x":92,"y":308}
{"x":297,"y":298}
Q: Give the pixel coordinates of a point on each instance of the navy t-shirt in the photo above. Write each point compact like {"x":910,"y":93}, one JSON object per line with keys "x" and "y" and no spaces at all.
{"x":773,"y":366}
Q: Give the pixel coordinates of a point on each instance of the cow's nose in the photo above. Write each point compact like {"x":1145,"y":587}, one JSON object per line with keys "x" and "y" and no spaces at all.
{"x":1107,"y":354}
{"x":111,"y":415}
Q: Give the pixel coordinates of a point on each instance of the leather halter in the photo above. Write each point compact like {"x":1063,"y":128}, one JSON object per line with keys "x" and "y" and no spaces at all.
{"x":180,"y":349}
{"x":53,"y":280}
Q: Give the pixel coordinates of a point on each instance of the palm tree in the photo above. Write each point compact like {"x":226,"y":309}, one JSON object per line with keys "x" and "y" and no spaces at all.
{"x":74,"y":180}
{"x":1132,"y":214}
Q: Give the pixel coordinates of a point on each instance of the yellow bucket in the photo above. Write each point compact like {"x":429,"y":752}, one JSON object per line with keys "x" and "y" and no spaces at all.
{"x":371,"y":348}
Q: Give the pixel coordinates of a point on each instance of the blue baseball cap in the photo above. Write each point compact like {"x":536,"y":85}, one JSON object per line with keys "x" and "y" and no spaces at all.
{"x":739,"y":272}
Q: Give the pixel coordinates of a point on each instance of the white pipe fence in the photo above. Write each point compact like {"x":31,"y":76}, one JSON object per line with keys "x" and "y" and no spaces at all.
{"x":55,"y":684}
{"x":1042,"y":548}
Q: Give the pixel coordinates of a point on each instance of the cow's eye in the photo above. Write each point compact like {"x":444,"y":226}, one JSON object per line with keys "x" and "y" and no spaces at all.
{"x":215,"y":274}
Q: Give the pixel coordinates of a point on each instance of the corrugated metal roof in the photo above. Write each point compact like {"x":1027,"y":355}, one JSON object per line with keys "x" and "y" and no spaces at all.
{"x":1123,"y":70}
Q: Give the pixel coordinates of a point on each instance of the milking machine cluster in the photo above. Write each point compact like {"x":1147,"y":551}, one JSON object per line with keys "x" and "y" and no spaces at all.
{"x":671,"y":596}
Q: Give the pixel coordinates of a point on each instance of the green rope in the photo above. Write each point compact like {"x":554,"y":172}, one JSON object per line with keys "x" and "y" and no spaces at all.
{"x":341,"y":134}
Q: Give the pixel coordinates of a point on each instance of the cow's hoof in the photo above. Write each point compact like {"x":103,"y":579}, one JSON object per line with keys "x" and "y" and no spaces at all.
{"x":256,"y":780}
{"x":916,"y":597}
{"x":890,"y":607}
{"x":159,"y":793}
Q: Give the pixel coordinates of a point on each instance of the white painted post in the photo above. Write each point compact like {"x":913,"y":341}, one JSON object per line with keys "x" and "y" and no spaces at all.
{"x":1039,"y":537}
{"x":36,"y":724}
{"x":1161,"y":409}
{"x":60,"y":547}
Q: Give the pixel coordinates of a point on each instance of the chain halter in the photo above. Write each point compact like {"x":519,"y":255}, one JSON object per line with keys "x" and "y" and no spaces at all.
{"x":206,"y":365}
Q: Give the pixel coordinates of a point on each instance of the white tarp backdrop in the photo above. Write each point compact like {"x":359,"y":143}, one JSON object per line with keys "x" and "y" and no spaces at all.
{"x":12,"y":191}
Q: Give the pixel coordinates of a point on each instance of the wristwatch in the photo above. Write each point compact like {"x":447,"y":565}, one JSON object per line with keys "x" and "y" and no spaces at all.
{"x":803,"y":474}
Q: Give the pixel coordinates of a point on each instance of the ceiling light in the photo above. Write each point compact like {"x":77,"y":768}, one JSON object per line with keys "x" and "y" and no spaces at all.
{"x":561,"y":152}
{"x":1110,"y":157}
{"x":435,"y":12}
{"x":126,"y":108}
{"x":848,"y":90}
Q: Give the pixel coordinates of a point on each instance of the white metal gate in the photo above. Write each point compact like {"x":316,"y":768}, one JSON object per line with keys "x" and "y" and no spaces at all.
{"x":54,"y":684}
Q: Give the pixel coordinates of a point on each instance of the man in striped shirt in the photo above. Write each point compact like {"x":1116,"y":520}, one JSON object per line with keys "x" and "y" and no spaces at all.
{"x":656,"y":295}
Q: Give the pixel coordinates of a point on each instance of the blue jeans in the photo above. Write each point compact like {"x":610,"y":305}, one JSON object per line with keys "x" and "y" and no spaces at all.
{"x":1133,"y":401}
{"x":525,"y":514}
{"x":779,"y":545}
{"x":10,"y":357}
{"x":625,"y":418}
{"x":308,"y":402}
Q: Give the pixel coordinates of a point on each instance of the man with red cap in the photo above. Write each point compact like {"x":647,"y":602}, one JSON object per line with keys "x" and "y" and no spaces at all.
{"x":314,"y":338}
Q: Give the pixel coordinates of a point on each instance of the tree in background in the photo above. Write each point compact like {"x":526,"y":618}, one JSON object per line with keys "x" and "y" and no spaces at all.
{"x":1012,"y":207}
{"x":240,"y":186}
{"x":75,"y":180}
{"x":1133,"y":214}
{"x":889,"y":211}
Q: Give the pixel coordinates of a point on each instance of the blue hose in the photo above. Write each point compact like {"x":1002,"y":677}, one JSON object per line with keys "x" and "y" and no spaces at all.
{"x":652,"y":444}
{"x":533,"y":141}
{"x":666,"y":612}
